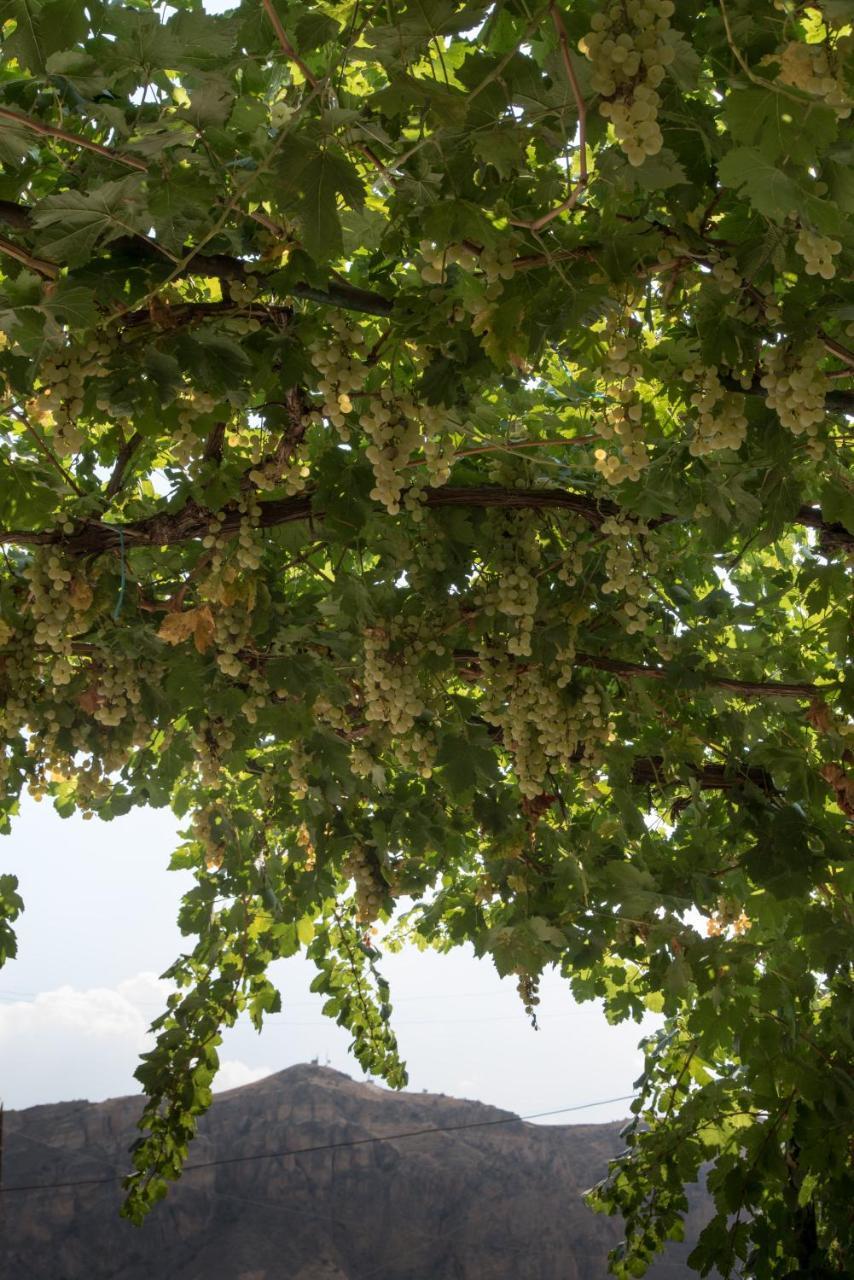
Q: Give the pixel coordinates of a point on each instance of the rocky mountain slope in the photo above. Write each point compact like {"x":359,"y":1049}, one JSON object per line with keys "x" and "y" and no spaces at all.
{"x":499,"y":1202}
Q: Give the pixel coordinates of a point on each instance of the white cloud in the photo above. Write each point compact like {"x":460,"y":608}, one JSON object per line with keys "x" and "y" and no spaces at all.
{"x":232,"y":1074}
{"x":71,"y":1043}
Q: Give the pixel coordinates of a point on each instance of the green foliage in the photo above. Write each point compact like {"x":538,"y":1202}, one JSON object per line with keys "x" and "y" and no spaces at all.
{"x":425,"y":464}
{"x":11,"y":906}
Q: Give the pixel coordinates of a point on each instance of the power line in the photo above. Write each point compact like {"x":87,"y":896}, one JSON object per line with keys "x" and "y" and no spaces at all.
{"x":279,"y":1022}
{"x":30,"y":997}
{"x":444,"y":996}
{"x":326,"y":1146}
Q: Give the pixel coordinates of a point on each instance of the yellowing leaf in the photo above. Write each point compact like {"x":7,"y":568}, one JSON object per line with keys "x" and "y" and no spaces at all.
{"x":81,"y":595}
{"x":177,"y":627}
{"x":203,"y":628}
{"x":198,"y":623}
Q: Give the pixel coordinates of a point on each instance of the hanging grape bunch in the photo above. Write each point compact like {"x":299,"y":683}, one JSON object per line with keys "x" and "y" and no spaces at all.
{"x":371,"y":889}
{"x":630,"y":46}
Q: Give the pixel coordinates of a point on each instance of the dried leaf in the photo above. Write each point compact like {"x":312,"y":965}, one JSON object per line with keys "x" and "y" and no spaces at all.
{"x":820,"y":717}
{"x":89,"y":700}
{"x":81,"y":595}
{"x":198,"y":623}
{"x":203,"y":628}
{"x":177,"y":627}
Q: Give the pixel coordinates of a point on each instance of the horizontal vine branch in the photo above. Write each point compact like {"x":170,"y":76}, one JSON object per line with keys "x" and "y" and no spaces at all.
{"x":192,"y":521}
{"x":178,"y":314}
{"x":652,"y":771}
{"x":337,"y":293}
{"x":675,"y":675}
{"x":748,"y":688}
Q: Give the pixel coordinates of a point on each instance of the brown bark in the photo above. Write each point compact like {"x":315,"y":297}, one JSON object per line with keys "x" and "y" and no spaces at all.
{"x":191,"y":521}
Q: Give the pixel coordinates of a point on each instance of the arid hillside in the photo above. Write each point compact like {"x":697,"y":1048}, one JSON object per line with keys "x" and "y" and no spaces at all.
{"x":499,"y":1202}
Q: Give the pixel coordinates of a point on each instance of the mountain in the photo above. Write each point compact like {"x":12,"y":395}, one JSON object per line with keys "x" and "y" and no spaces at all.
{"x":496,"y":1202}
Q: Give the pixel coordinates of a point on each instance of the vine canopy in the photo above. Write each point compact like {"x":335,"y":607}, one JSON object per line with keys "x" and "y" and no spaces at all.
{"x":424,"y":443}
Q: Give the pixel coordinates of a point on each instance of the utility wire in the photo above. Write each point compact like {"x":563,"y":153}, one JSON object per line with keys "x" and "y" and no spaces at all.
{"x":559,"y":990}
{"x":326,"y":1146}
{"x":279,"y":1022}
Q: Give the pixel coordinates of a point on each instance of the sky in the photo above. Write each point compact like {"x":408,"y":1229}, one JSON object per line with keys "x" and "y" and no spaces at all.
{"x":99,"y":928}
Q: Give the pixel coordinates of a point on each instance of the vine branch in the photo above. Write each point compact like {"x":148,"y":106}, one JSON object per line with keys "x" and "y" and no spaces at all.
{"x":123,"y":460}
{"x":192,"y":520}
{"x":53,"y":131}
{"x":537,"y":224}
{"x":287,"y":48}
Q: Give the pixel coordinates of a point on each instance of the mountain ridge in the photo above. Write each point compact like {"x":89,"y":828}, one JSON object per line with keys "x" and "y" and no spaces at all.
{"x":331,"y":1191}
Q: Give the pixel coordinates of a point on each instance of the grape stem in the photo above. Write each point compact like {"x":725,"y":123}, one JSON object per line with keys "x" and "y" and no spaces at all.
{"x":74,"y":139}
{"x":45,"y":449}
{"x":576,"y":190}
{"x":740,"y":59}
{"x":287,"y":47}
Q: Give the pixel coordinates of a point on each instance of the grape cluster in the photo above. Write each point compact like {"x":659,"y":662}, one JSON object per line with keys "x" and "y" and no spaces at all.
{"x":390,"y":683}
{"x":417,"y":752}
{"x":305,"y":842}
{"x":107,"y":725}
{"x":627,"y":545}
{"x":207,"y":828}
{"x":437,"y":259}
{"x":371,"y":889}
{"x":396,"y":426}
{"x":484,"y":272}
{"x":329,"y":713}
{"x":362,"y":763}
{"x":533,"y":720}
{"x":720,"y":422}
{"x":186,"y":435}
{"x":528,"y":987}
{"x":540,"y":724}
{"x":496,"y":263}
{"x":343,"y":371}
{"x":767,"y":300}
{"x":796,"y":385}
{"x":210,"y":740}
{"x":515,"y":592}
{"x":59,"y":598}
{"x":516,"y":596}
{"x":230,"y":585}
{"x":231,"y":629}
{"x":438,"y":448}
{"x":630,"y":44}
{"x":257,"y":696}
{"x":45,"y":680}
{"x":249,"y":545}
{"x":808,"y":67}
{"x":245,"y":290}
{"x":622,"y":419}
{"x":118,"y":692}
{"x":818,"y":253}
{"x":394,"y":432}
{"x":289,"y":473}
{"x":572,"y":561}
{"x":298,"y":770}
{"x":59,"y":401}
{"x":730,"y":914}
{"x":726,"y":274}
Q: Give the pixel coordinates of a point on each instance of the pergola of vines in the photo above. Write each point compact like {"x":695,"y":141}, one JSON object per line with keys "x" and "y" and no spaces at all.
{"x":424,"y":432}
